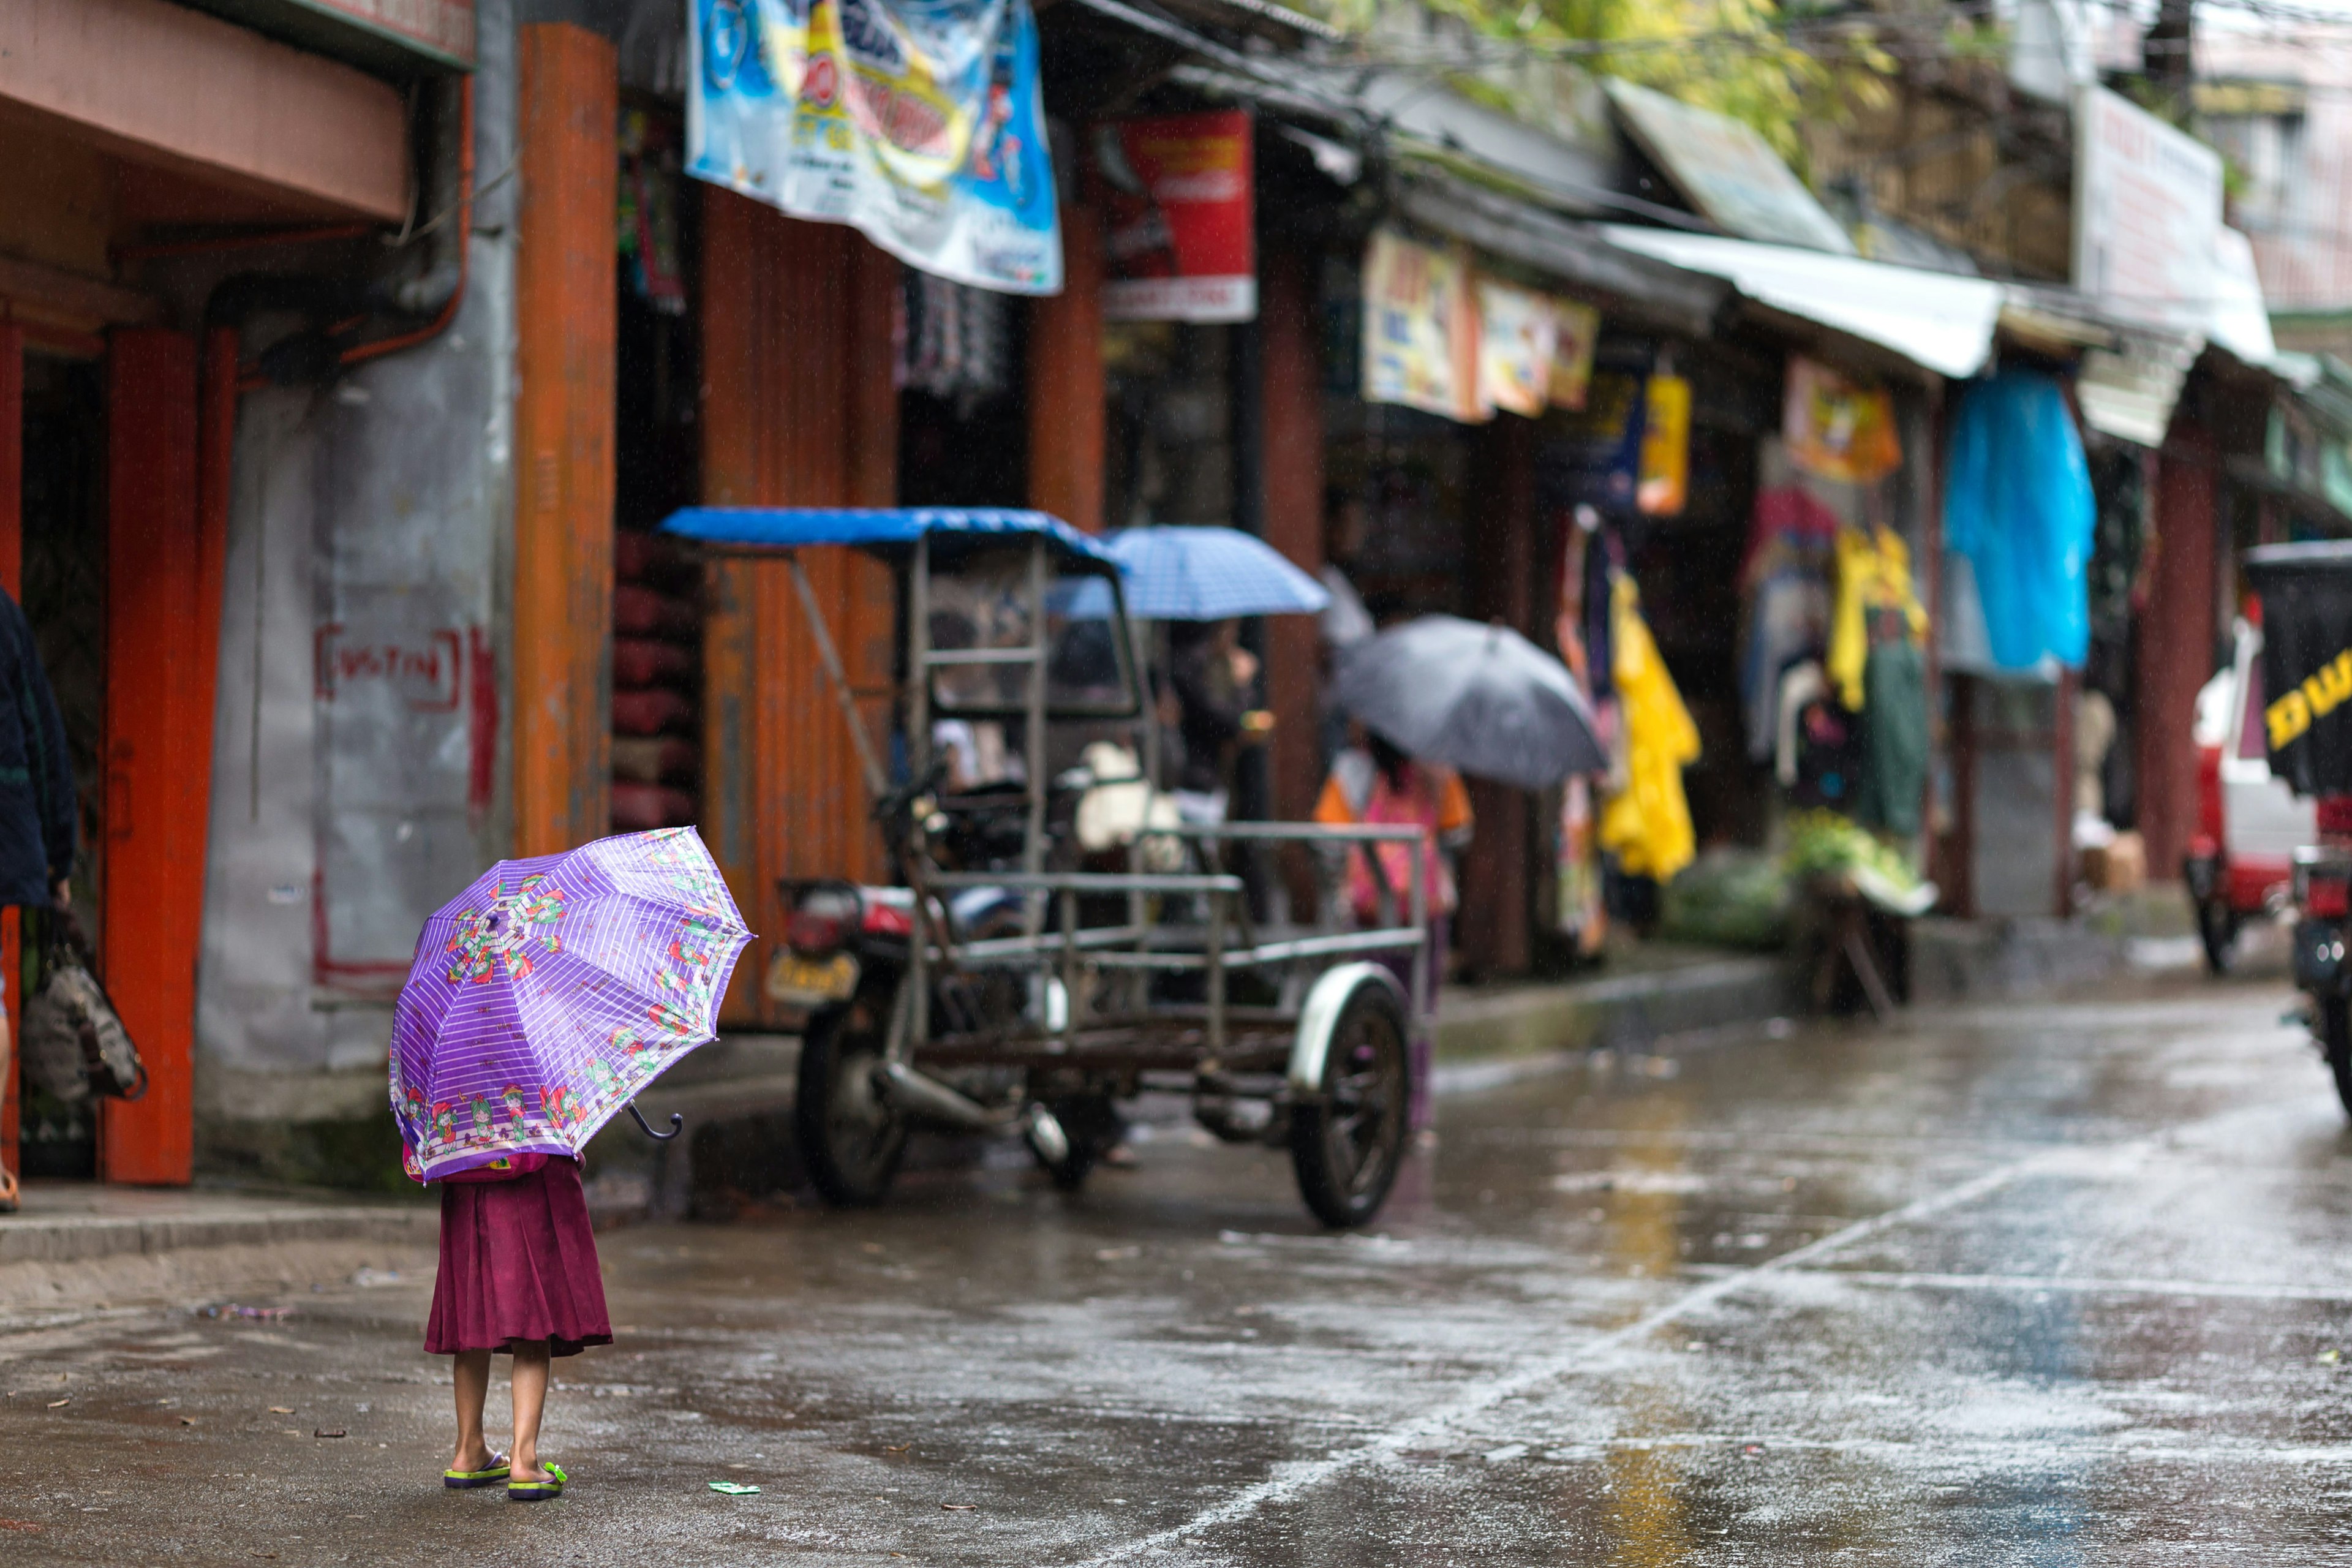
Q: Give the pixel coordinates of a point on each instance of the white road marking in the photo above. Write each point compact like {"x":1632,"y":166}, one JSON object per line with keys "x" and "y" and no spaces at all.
{"x":1292,"y":1479}
{"x":2071,"y":1284}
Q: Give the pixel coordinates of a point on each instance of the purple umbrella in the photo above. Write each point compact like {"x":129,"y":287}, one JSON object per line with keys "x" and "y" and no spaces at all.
{"x":548,"y":994}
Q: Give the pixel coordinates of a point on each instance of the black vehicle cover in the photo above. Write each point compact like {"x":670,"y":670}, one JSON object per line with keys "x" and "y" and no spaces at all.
{"x":2306,"y":594}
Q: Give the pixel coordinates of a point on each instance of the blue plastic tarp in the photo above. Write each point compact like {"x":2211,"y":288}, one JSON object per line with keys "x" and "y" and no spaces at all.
{"x":886,"y":529}
{"x":2017,"y":503}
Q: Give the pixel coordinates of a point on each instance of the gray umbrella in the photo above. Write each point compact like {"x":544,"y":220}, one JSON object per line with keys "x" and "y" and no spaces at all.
{"x":1481,"y":698}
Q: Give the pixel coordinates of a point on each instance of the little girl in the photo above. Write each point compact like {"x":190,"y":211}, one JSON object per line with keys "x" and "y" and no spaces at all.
{"x":518,"y":1274}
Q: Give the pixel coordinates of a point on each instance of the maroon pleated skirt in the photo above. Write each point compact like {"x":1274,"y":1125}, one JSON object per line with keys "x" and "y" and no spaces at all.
{"x":518,"y":1263}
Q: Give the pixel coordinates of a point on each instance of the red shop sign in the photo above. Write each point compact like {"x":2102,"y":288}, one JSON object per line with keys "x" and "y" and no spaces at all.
{"x":1178,"y":195}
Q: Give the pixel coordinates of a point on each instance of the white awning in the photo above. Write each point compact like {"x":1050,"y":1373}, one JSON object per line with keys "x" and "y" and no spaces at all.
{"x":1935,"y":320}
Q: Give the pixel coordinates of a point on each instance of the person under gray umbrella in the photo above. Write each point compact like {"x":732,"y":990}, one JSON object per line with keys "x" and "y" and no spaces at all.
{"x":1481,"y":699}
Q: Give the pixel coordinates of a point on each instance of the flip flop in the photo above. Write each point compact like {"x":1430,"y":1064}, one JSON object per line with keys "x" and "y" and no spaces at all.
{"x":538,"y":1491}
{"x":490,"y":1475}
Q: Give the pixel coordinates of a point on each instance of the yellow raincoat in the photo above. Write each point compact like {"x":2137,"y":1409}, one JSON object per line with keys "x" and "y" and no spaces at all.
{"x":1647,"y":825}
{"x":1873,"y":573}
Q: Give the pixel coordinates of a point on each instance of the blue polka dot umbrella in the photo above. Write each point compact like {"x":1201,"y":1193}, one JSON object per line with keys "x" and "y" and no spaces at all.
{"x":544,"y":997}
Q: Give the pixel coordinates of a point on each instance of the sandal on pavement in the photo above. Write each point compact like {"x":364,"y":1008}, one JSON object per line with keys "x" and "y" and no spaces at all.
{"x":538,"y":1491}
{"x":7,"y":1191}
{"x":489,"y":1475}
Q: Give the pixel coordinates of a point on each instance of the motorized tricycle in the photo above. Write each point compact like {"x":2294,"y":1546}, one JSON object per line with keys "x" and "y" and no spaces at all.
{"x":2241,"y":861}
{"x":1005,"y":982}
{"x":2307,"y":729}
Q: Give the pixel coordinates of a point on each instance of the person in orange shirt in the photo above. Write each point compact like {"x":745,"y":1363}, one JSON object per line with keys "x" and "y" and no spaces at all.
{"x":1381,"y":785}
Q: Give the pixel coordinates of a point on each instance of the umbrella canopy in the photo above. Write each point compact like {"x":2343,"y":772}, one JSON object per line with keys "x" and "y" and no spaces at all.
{"x":1197,"y":574}
{"x":546,"y":994}
{"x":1481,"y":698}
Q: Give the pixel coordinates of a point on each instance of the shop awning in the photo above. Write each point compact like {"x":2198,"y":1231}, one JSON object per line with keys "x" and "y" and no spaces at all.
{"x":1572,"y":252}
{"x":1937,"y":321}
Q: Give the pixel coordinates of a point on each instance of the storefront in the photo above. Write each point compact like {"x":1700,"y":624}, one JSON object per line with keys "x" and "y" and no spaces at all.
{"x":160,"y":152}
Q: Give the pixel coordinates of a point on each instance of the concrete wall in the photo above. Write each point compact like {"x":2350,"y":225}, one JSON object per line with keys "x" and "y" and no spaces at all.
{"x":359,"y":765}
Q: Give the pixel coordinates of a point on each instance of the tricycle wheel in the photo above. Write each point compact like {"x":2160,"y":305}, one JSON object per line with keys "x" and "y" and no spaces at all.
{"x":2217,"y":930}
{"x":851,"y":1138}
{"x":1347,"y":1144}
{"x":2335,"y":1027}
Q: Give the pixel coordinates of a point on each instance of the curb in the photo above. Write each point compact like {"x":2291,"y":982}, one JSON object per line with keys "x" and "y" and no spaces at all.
{"x":1617,"y":1012}
{"x":86,"y":1238}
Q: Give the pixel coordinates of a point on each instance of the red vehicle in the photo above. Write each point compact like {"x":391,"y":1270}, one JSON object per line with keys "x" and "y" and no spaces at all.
{"x":2241,"y":862}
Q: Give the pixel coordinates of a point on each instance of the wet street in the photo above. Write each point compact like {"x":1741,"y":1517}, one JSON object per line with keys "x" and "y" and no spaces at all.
{"x":2051,"y":1283}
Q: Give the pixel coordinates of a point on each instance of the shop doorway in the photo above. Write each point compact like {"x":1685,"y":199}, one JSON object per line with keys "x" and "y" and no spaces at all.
{"x":657,"y":606}
{"x":64,"y":597}
{"x":963,"y":429}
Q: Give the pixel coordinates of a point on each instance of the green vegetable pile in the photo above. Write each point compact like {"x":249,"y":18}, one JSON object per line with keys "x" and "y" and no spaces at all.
{"x":1823,"y":844}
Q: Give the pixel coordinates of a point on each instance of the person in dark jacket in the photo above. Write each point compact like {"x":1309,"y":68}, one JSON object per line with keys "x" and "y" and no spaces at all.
{"x":38,"y":806}
{"x":1213,"y":676}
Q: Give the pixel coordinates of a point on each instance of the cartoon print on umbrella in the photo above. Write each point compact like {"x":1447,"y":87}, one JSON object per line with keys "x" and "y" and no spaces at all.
{"x":503,"y":932}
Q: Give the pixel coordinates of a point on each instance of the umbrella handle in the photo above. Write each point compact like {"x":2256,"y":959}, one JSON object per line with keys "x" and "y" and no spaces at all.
{"x":675,"y":1123}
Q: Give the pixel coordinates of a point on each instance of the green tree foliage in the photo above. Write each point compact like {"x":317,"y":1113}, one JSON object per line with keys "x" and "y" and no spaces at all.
{"x":1766,"y":66}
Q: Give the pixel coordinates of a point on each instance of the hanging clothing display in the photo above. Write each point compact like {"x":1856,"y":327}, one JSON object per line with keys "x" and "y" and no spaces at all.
{"x":1583,"y":915}
{"x":948,"y":340}
{"x":645,"y":215}
{"x":2018,"y":506}
{"x":1647,"y":825}
{"x":1893,"y":781}
{"x":1784,"y":582}
{"x":1875,"y":604}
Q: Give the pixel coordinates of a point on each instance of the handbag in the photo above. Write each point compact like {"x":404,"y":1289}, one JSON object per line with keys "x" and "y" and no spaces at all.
{"x":75,"y":1044}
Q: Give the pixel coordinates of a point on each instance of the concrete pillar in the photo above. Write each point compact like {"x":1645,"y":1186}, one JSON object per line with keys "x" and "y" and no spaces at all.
{"x":1491,"y":928}
{"x":2175,"y":652}
{"x":1067,"y":412}
{"x":1293,"y":402}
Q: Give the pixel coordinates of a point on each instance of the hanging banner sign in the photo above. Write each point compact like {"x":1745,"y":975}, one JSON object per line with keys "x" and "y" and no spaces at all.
{"x":1576,"y":332}
{"x":1664,"y":485}
{"x":1421,"y":328}
{"x":918,"y":122}
{"x":1835,"y":428}
{"x":1517,"y":330}
{"x":1178,"y":193}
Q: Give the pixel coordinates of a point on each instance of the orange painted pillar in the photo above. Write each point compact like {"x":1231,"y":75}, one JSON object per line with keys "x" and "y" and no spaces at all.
{"x":158,"y":746}
{"x":566,"y":318}
{"x":12,"y":560}
{"x":1067,"y":412}
{"x":1292,"y":377}
{"x":733,"y":284}
{"x":798,"y":410}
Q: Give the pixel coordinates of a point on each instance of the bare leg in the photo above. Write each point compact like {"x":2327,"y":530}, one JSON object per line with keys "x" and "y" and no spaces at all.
{"x":471,"y":1374}
{"x":529,"y":1403}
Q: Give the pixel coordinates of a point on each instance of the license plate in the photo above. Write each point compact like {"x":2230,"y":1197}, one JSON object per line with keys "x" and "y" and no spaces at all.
{"x":798,"y":982}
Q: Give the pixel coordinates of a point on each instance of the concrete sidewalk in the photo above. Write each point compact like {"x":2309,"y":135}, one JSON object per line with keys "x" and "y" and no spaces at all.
{"x":75,"y":1243}
{"x":77,"y":1247}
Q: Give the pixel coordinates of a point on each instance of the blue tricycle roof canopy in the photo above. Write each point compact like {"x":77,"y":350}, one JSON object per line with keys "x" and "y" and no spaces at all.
{"x":889,"y":531}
